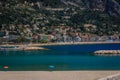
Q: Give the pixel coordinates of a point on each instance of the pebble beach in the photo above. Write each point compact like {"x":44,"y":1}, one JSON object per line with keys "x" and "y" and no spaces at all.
{"x":55,"y":75}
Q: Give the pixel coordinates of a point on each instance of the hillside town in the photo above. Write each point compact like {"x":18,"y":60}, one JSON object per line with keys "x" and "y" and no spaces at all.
{"x":33,"y":22}
{"x":27,"y":34}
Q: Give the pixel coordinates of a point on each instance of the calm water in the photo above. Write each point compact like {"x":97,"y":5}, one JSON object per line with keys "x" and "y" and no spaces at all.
{"x":72,"y":57}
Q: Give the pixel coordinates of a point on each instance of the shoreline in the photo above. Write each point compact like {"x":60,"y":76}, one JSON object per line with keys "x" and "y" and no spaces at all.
{"x":56,"y":75}
{"x":60,"y":43}
{"x":40,"y":46}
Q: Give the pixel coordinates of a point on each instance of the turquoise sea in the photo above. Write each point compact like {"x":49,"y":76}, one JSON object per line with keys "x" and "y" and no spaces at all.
{"x":59,"y":58}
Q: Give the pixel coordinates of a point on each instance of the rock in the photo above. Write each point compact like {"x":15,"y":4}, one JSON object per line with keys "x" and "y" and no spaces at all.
{"x":107,"y":52}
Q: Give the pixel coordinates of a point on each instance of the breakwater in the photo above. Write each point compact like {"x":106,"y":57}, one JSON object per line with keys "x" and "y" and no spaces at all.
{"x":107,"y":52}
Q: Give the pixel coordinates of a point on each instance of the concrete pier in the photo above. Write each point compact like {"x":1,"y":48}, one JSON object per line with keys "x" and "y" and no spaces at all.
{"x":112,"y":77}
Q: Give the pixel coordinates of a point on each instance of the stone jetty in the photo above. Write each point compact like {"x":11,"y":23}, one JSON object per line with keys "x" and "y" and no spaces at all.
{"x":107,"y":52}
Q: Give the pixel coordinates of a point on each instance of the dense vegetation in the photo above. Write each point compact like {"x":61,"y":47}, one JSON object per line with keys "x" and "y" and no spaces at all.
{"x":19,"y":12}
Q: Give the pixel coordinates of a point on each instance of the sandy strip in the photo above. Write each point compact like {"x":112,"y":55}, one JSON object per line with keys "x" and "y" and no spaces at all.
{"x":55,"y":75}
{"x":71,"y":43}
{"x":60,"y":43}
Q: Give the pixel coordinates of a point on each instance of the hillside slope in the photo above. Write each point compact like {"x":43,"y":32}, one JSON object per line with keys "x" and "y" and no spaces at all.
{"x":109,"y":6}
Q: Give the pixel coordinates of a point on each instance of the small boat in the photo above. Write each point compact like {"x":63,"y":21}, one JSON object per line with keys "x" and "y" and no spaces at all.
{"x":5,"y":67}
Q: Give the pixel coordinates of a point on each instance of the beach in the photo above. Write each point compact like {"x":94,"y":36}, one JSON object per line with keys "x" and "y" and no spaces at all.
{"x":55,"y":75}
{"x":59,"y":43}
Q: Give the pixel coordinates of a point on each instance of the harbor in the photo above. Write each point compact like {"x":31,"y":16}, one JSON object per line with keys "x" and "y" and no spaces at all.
{"x":60,"y":58}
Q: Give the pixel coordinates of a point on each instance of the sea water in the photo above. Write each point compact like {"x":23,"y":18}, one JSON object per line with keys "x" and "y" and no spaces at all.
{"x":59,"y":58}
